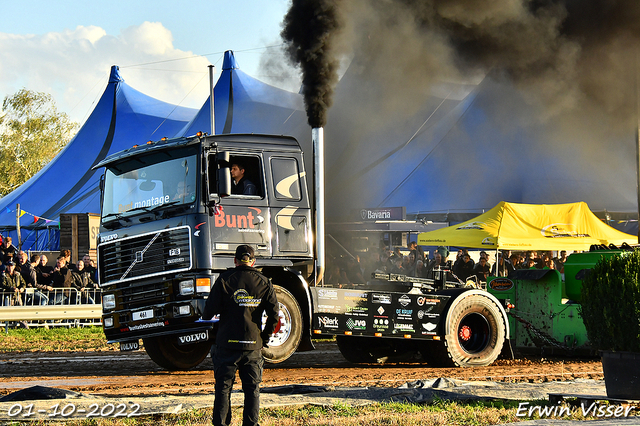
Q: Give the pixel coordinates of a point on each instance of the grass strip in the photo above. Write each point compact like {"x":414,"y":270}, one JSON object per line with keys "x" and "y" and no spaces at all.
{"x":54,"y":339}
{"x":436,"y":413}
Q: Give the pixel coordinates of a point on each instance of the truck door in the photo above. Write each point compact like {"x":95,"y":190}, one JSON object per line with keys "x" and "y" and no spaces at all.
{"x":243,"y":218}
{"x":289,"y":207}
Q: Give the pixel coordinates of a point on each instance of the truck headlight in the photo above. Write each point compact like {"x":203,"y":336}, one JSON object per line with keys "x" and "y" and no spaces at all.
{"x":108,"y":322}
{"x":186,"y":287}
{"x":181,"y":310}
{"x":108,"y":302}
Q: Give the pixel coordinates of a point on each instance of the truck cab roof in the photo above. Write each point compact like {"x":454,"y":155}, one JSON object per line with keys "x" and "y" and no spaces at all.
{"x":249,"y":142}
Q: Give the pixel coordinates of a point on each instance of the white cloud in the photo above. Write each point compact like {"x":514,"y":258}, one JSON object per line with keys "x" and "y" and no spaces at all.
{"x":74,"y":65}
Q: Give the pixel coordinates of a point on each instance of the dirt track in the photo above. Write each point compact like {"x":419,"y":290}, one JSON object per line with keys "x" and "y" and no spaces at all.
{"x":133,"y":373}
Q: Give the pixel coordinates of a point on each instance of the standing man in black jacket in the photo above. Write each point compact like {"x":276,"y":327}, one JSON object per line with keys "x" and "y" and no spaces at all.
{"x":240,"y":296}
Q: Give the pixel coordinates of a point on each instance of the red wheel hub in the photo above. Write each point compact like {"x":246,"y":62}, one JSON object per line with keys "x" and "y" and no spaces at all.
{"x":465,"y":332}
{"x":278,"y":326}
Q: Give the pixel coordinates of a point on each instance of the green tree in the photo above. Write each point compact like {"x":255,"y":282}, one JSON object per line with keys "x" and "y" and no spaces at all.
{"x":32,"y":132}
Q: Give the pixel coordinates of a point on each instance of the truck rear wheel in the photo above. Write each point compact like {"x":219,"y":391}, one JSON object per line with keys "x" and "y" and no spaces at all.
{"x":166,"y":352}
{"x":476,"y":333}
{"x":288,"y":332}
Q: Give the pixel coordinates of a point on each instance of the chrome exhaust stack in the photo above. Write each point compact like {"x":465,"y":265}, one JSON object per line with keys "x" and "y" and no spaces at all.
{"x":317,"y":138}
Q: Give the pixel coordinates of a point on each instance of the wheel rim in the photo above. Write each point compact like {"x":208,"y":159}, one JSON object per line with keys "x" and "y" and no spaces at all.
{"x":283,"y":327}
{"x":474,"y":333}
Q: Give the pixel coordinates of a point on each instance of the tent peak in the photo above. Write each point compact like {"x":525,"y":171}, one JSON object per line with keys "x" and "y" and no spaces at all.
{"x":115,"y":75}
{"x":229,"y":62}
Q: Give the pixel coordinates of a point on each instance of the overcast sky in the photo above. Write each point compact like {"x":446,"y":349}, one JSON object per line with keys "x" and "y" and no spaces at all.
{"x":66,"y":47}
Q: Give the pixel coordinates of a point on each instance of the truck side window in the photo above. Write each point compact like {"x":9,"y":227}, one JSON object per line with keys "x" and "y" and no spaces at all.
{"x":246,"y":176}
{"x":286,"y":178}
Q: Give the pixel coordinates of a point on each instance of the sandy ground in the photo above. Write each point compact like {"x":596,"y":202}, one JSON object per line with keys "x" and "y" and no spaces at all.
{"x":122,"y":374}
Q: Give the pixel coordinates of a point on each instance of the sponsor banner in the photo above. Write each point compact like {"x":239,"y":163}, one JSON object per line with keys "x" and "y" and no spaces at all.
{"x":383,"y":213}
{"x":328,"y":294}
{"x":340,"y":310}
{"x":423,"y":300}
{"x":356,"y":295}
{"x":428,"y":328}
{"x":356,"y":324}
{"x":404,"y":300}
{"x":362,"y":311}
{"x":501,"y":284}
{"x":381,"y":298}
{"x":144,"y":326}
{"x":401,"y":327}
{"x":562,"y":230}
{"x":356,"y":303}
{"x":473,"y":225}
{"x":381,"y":324}
{"x":404,"y":314}
{"x":325,"y":321}
{"x":333,"y":309}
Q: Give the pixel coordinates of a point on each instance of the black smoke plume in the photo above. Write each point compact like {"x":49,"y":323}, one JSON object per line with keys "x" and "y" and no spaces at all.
{"x":310,"y":28}
{"x":561,"y":52}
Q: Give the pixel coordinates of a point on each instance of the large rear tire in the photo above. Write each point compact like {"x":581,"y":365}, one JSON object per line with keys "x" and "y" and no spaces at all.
{"x":166,"y":352}
{"x":288,"y":332}
{"x":476,"y":334}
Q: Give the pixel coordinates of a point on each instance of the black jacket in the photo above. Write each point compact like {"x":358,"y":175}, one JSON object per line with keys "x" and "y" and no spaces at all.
{"x":28,"y":274}
{"x":7,"y":253}
{"x":62,"y":278}
{"x":244,"y":187}
{"x":240,"y":296}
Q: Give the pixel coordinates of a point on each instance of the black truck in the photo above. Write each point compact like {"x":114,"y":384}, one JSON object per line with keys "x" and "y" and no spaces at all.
{"x":170,"y":225}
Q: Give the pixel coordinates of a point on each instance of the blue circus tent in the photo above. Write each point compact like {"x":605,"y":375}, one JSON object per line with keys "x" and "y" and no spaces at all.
{"x":122,"y":117}
{"x":462,"y":150}
{"x":244,"y":104}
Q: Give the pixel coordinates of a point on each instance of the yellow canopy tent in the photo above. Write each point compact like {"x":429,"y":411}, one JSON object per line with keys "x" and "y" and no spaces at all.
{"x":520,"y":227}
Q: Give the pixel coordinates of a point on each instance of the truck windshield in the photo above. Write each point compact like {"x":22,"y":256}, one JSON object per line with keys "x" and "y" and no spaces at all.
{"x":149,"y":182}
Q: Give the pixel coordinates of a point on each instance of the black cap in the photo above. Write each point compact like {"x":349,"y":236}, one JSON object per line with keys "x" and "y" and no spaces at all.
{"x":245,"y":253}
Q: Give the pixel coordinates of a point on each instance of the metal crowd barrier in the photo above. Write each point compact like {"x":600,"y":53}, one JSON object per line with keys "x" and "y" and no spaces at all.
{"x":60,"y":307}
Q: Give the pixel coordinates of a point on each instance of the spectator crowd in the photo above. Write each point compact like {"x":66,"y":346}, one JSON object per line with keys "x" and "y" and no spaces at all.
{"x":30,"y":280}
{"x":412,"y":261}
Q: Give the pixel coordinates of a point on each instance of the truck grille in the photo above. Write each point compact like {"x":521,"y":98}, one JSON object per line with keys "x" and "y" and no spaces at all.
{"x":142,"y":256}
{"x":144,"y":295}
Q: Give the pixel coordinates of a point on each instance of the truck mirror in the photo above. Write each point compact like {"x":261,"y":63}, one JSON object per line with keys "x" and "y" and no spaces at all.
{"x":223,"y":177}
{"x":223,"y":158}
{"x":224,"y":181}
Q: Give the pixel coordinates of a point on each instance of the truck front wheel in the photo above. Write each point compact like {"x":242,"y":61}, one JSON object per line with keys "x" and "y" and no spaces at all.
{"x":166,"y":352}
{"x":476,"y":333}
{"x":288,"y":334}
